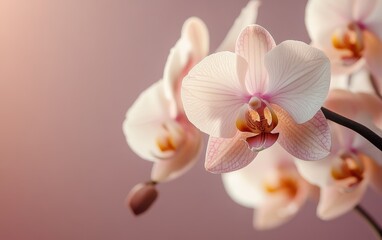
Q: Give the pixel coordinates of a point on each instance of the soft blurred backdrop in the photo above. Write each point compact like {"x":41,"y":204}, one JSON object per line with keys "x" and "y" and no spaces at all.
{"x":69,"y":70}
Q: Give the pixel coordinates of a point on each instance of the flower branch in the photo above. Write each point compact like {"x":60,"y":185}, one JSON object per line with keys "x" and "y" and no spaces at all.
{"x":370,"y":220}
{"x":371,"y":136}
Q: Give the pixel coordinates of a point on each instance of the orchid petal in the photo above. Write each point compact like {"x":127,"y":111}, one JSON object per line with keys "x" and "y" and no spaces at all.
{"x":335,"y":201}
{"x":352,"y":105}
{"x":144,"y":121}
{"x":213,"y":92}
{"x":279,"y":208}
{"x":307,"y":141}
{"x":374,"y":20}
{"x":182,"y":161}
{"x":247,"y":16}
{"x":228,"y":154}
{"x":337,"y":63}
{"x":316,"y":172}
{"x":342,"y":102}
{"x":246,"y":185}
{"x":189,"y":49}
{"x":196,"y":32}
{"x":370,"y":105}
{"x":375,"y":173}
{"x":299,"y":78}
{"x":323,"y":17}
{"x":252,"y":44}
{"x":373,"y":55}
{"x":362,"y":9}
{"x":273,"y":212}
{"x":364,"y":146}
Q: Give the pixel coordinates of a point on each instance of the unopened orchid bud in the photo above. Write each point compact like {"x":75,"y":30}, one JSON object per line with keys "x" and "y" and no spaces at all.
{"x":141,"y":197}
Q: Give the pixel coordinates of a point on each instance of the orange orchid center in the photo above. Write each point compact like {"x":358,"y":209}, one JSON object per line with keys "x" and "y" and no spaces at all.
{"x":282,"y":181}
{"x":350,"y":41}
{"x":351,"y":166}
{"x":171,"y":138}
{"x":259,"y":119}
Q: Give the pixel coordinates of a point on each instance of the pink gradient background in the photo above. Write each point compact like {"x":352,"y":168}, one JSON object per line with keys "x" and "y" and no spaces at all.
{"x":69,"y":70}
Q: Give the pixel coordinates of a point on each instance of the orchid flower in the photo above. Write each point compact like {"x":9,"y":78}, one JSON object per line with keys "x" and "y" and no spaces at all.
{"x":353,"y":163}
{"x":262,"y":93}
{"x":349,"y":32}
{"x":271,"y":185}
{"x":156,"y":127}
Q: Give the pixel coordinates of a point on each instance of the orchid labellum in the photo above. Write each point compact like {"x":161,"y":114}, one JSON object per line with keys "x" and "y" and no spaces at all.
{"x":156,"y":127}
{"x":262,"y":93}
{"x":353,"y":163}
{"x":350,"y":33}
{"x":271,"y":185}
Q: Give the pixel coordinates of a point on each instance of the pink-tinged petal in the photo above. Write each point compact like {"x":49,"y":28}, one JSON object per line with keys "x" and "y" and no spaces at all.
{"x":141,"y":197}
{"x":316,"y":172}
{"x":195,"y":31}
{"x":373,"y":55}
{"x":245,"y":186}
{"x":371,"y":106}
{"x":228,"y":154}
{"x":375,"y":173}
{"x":341,"y":101}
{"x":351,"y":105}
{"x":213,"y":92}
{"x":144,"y":121}
{"x":335,"y":201}
{"x":308,"y":141}
{"x":362,"y":9}
{"x":338,"y":65}
{"x":247,"y":16}
{"x":323,"y":17}
{"x":188,"y":50}
{"x":253,"y":43}
{"x":299,"y":78}
{"x":274,"y":212}
{"x":182,"y":161}
{"x":373,"y":21}
{"x":278,"y":208}
{"x":364,"y":146}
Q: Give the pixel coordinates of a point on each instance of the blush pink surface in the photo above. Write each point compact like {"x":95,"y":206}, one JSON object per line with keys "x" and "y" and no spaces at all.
{"x":69,"y":70}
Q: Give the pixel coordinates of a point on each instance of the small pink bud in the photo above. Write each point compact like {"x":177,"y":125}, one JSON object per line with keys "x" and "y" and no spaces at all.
{"x":141,"y":197}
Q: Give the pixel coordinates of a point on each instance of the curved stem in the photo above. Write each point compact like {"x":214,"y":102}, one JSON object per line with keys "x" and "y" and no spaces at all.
{"x":370,"y":220}
{"x":371,"y":136}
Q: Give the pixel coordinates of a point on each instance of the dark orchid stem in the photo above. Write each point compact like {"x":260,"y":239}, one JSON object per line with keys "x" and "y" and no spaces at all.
{"x":370,"y":220}
{"x":371,"y":136}
{"x":375,"y":85}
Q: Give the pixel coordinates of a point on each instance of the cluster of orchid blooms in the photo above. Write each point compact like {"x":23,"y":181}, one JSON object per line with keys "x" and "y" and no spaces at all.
{"x":265,"y":109}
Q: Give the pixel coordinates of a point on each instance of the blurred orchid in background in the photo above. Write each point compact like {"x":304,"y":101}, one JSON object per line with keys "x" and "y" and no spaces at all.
{"x":271,"y":185}
{"x":353,"y":163}
{"x":262,"y":93}
{"x":156,"y":127}
{"x":350,"y":33}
